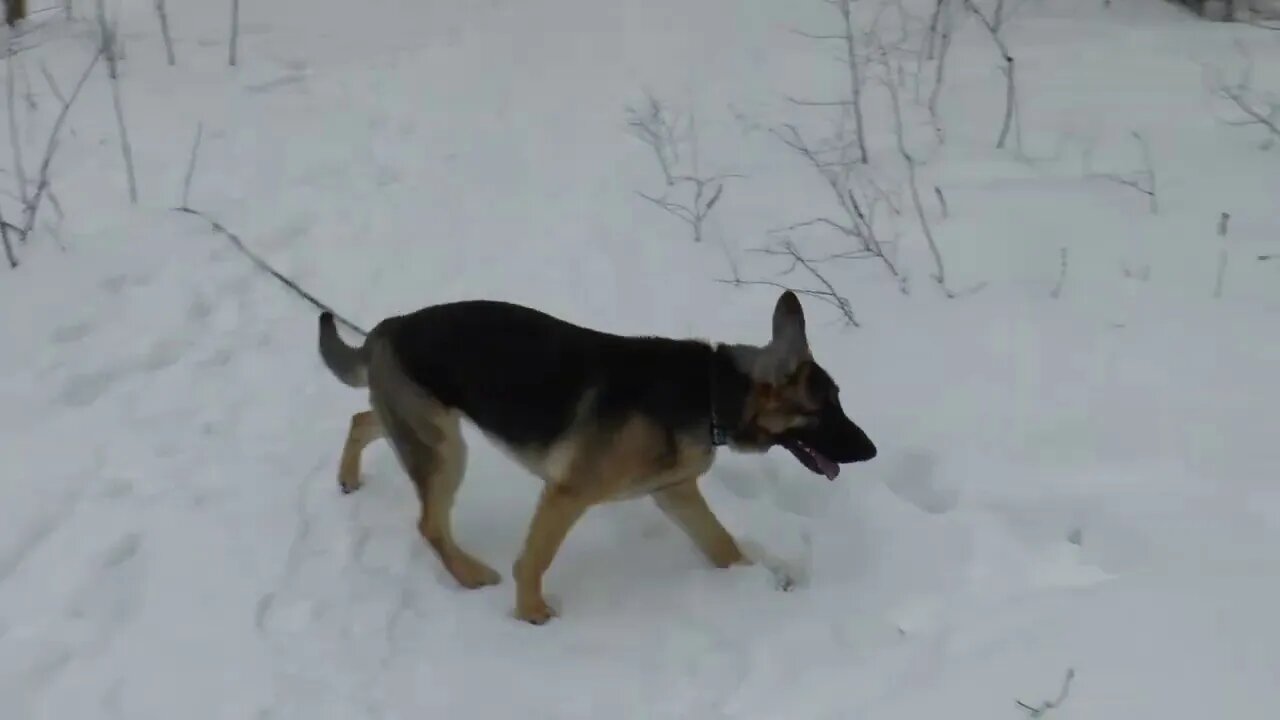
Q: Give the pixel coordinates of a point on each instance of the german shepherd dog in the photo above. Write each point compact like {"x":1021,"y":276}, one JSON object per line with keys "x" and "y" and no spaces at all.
{"x":598,"y":417}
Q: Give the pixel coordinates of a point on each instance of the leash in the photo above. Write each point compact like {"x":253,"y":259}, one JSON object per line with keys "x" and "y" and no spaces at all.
{"x":263,"y":265}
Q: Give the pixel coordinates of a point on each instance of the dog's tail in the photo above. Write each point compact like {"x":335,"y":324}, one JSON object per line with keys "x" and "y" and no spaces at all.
{"x":348,"y":364}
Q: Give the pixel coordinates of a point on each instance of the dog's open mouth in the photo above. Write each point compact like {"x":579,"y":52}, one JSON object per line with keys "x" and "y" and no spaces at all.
{"x":812,"y":459}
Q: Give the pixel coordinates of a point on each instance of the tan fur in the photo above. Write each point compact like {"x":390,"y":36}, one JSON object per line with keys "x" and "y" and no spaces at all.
{"x":586,"y":467}
{"x":688,"y":509}
{"x":364,"y":430}
{"x":771,"y":409}
{"x":589,"y":467}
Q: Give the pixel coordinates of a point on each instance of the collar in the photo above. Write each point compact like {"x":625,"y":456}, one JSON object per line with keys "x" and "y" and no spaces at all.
{"x":719,"y":436}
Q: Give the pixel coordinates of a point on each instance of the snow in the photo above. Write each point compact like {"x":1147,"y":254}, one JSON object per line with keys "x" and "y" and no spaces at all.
{"x":1086,"y":482}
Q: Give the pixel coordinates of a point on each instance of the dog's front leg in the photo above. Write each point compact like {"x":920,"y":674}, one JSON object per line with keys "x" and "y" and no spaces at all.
{"x":686,"y":506}
{"x":558,"y":509}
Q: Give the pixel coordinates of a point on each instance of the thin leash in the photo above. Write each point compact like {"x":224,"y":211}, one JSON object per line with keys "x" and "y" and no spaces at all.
{"x":263,"y":265}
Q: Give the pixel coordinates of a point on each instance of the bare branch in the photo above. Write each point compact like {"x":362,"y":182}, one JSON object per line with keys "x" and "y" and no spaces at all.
{"x":53,"y":84}
{"x":1257,"y":116}
{"x":993,"y":26}
{"x":855,"y":80}
{"x":1048,"y":705}
{"x":8,"y":243}
{"x":163,"y":14}
{"x":944,"y":48}
{"x":827,"y":294}
{"x":32,"y":207}
{"x":234,"y":43}
{"x":813,"y":36}
{"x":940,"y":274}
{"x":855,"y":255}
{"x":820,"y":103}
{"x":1241,"y":94}
{"x":55,"y":202}
{"x":653,"y":127}
{"x":1062,"y":274}
{"x":109,"y":39}
{"x":935,"y":27}
{"x":1144,"y":181}
{"x":15,"y":143}
{"x":191,"y":164}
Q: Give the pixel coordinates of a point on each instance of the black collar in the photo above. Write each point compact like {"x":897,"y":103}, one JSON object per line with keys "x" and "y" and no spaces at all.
{"x":719,"y":435}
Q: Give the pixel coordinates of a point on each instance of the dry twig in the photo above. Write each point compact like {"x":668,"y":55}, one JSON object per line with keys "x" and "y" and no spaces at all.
{"x":32,"y":206}
{"x":940,"y":274}
{"x":859,"y":225}
{"x":654,"y":128}
{"x":110,"y":50}
{"x":1257,"y":111}
{"x":826,"y":294}
{"x":1144,"y":181}
{"x":163,"y":13}
{"x":1047,"y":705}
{"x":994,"y":25}
{"x":234,"y":44}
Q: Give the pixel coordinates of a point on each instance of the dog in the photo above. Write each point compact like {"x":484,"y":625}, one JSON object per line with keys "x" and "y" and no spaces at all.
{"x":598,"y":417}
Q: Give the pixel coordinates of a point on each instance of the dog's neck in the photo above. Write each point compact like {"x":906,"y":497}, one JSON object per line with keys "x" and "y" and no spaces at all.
{"x":726,"y":394}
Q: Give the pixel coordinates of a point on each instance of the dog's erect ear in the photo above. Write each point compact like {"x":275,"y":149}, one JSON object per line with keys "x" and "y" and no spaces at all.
{"x":789,"y":345}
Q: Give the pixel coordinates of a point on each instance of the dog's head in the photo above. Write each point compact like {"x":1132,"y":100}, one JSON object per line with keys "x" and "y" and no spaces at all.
{"x":791,"y":400}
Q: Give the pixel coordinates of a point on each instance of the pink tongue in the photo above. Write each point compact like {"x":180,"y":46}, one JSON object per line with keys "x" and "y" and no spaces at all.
{"x":828,"y":468}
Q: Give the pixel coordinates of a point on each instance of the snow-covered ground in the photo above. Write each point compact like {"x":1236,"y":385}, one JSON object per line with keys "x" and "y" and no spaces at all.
{"x":1090,"y":481}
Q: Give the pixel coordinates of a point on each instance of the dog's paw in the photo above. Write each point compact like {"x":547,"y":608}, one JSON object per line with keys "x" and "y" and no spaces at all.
{"x":349,"y":482}
{"x":785,"y":576}
{"x":534,"y":611}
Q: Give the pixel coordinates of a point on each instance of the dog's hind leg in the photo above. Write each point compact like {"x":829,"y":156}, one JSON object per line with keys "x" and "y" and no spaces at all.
{"x":365,"y":428}
{"x":437,"y":480}
{"x":427,"y":438}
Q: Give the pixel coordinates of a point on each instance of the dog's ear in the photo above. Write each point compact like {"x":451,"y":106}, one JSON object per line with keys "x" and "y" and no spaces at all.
{"x":790,"y":345}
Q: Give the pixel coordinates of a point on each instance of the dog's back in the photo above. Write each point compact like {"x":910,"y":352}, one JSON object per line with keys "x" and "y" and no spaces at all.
{"x":522,"y":375}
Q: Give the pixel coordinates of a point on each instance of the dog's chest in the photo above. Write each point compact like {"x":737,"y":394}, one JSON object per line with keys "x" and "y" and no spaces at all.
{"x":690,"y":463}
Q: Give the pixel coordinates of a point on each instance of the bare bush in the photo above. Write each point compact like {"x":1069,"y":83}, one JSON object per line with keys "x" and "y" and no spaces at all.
{"x":163,"y":14}
{"x":994,"y":23}
{"x":695,"y":195}
{"x":853,"y":75}
{"x":1038,"y":711}
{"x":32,"y":203}
{"x":1256,"y":108}
{"x":191,"y":164}
{"x":942,"y":27}
{"x":233,"y":45}
{"x":110,"y":51}
{"x":826,"y":293}
{"x":857,"y":202}
{"x":1144,"y":180}
{"x":940,"y":273}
